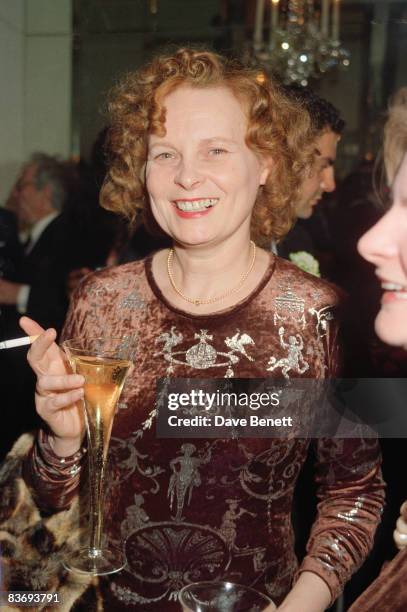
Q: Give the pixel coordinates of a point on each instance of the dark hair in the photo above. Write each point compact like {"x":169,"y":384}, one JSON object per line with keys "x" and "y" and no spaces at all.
{"x":322,"y":113}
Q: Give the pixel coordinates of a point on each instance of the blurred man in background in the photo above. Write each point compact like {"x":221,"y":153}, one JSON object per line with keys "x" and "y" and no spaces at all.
{"x":328,"y":127}
{"x":38,"y":288}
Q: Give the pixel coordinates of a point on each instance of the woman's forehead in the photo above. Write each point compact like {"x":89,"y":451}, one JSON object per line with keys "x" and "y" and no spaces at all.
{"x":214,"y":102}
{"x":208,"y":112}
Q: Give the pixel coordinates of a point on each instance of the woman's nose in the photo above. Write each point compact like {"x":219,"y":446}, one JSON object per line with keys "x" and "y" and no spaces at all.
{"x":187,"y":175}
{"x":379,"y":243}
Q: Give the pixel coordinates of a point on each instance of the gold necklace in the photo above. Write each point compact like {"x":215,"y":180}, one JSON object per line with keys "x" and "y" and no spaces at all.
{"x":218,"y":298}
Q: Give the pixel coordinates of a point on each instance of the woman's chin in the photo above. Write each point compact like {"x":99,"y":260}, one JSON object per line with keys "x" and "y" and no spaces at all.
{"x":194,"y":239}
{"x":391,"y":327}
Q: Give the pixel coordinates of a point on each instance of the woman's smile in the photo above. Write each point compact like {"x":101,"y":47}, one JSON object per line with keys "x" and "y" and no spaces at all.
{"x":194,"y":207}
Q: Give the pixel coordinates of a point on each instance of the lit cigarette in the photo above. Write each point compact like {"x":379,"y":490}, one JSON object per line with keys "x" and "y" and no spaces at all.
{"x":17,"y":342}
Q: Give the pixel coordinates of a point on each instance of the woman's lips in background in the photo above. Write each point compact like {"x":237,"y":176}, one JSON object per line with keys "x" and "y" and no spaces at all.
{"x":393,"y":292}
{"x":394,"y":296}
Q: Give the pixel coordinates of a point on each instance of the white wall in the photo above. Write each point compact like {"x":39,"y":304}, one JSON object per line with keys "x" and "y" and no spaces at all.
{"x":11,"y":96}
{"x":47,"y":83}
{"x":35,"y":77}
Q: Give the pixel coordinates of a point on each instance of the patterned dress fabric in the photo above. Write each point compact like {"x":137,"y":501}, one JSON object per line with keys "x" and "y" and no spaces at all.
{"x":216,"y":509}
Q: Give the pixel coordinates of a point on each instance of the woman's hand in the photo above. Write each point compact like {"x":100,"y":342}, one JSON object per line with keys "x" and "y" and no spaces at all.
{"x":400,"y":533}
{"x":309,"y":594}
{"x":58,"y":392}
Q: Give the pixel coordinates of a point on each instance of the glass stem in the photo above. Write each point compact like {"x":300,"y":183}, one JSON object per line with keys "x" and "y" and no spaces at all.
{"x":97,"y":463}
{"x":96,"y":505}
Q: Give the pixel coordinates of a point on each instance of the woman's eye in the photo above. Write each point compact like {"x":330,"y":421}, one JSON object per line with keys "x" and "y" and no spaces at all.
{"x":164,"y":155}
{"x":217,"y":151}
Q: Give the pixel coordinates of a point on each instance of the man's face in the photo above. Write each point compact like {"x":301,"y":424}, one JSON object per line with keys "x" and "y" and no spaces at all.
{"x":32,"y":204}
{"x":322,"y":176}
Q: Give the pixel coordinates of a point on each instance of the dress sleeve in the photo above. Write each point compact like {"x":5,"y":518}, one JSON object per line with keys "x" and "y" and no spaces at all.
{"x":351,"y":498}
{"x":350,"y":491}
{"x":52,"y":480}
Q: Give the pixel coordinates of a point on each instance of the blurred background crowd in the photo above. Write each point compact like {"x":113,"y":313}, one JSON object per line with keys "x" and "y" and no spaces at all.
{"x":58,"y":61}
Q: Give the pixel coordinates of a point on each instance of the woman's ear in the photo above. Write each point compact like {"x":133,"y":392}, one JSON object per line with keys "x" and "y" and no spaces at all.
{"x":267,"y":164}
{"x":142,"y":173}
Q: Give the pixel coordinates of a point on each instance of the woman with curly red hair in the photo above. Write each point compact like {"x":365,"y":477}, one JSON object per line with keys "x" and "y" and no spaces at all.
{"x":216,"y":154}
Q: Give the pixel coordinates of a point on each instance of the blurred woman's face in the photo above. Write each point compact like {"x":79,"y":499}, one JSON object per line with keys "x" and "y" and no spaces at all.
{"x":385,"y":245}
{"x":201,"y":176}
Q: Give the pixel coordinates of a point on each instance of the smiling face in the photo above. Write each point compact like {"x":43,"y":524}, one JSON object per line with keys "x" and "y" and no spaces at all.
{"x":201,"y":176}
{"x":322,"y":177}
{"x":385,"y":245}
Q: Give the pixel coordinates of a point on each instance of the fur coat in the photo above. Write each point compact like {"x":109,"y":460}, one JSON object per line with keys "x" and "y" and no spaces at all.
{"x":32,"y":546}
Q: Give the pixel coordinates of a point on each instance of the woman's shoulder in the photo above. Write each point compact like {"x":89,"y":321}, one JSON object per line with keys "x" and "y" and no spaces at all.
{"x":114,"y":279}
{"x":308,"y":287}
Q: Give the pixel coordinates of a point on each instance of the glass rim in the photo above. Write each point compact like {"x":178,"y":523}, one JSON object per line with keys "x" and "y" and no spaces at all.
{"x":99,"y":338}
{"x":213,"y":583}
{"x":94,"y":344}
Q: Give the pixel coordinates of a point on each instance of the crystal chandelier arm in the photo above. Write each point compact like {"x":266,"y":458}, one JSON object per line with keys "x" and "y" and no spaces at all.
{"x":335,"y":19}
{"x":325,"y":18}
{"x":274,"y":14}
{"x":302,"y":44}
{"x":258,"y":25}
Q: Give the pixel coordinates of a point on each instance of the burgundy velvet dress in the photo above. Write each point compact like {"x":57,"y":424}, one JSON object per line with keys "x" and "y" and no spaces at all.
{"x":215,"y":509}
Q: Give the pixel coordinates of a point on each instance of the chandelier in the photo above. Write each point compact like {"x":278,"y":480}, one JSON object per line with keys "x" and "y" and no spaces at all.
{"x":303,"y":39}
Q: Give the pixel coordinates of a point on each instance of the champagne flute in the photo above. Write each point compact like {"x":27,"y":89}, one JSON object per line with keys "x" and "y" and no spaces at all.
{"x":104,"y":363}
{"x":222,"y":597}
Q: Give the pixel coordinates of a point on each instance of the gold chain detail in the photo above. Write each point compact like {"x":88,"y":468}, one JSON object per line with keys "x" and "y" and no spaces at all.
{"x":218,"y":298}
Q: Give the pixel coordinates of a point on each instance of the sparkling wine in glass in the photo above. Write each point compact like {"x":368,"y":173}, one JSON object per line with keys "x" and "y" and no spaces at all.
{"x":104,"y":363}
{"x":222,"y":597}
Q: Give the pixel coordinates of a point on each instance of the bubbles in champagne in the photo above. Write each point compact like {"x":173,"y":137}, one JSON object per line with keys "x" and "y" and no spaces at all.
{"x":104,"y":380}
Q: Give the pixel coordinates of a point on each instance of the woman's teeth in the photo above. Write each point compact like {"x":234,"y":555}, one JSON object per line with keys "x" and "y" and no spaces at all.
{"x":195,"y":205}
{"x":393,"y":287}
{"x":400,"y":290}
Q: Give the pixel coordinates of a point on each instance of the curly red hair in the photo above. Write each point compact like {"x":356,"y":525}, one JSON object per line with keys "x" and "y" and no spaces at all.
{"x":277,"y":129}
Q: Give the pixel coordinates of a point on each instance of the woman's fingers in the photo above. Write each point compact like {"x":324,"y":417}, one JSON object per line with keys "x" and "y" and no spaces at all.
{"x":58,"y":391}
{"x":53,"y":403}
{"x":400,"y":533}
{"x":39,"y":348}
{"x":400,"y":539}
{"x":30,"y":326}
{"x":48,"y":384}
{"x":62,"y":400}
{"x":401,"y":526}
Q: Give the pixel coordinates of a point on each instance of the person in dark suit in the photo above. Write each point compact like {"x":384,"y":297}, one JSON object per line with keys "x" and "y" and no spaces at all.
{"x":10,"y":259}
{"x":38,"y":286}
{"x":10,"y":247}
{"x":33,"y":283}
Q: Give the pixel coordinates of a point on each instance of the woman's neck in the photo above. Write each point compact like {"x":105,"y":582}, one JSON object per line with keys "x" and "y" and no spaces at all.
{"x":209,"y":273}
